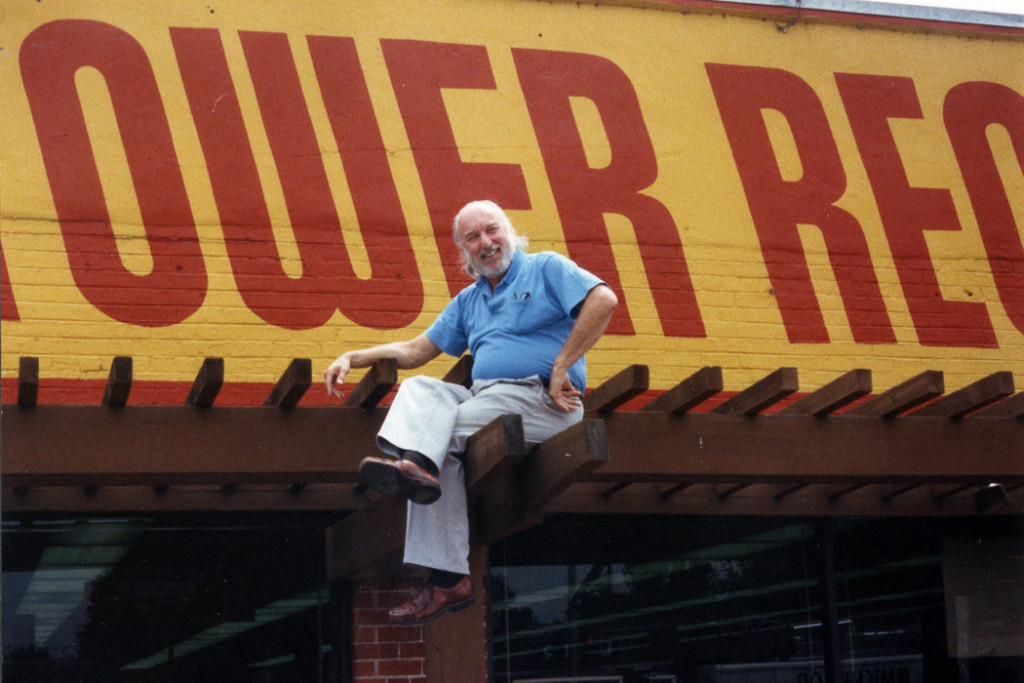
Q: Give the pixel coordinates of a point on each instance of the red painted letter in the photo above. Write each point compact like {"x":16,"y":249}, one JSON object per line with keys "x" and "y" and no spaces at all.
{"x":583,"y":194}
{"x":908,"y":211}
{"x":8,"y":307}
{"x":394,"y":290}
{"x":419,"y":70}
{"x":387,"y":299}
{"x":175,"y":288}
{"x":328,"y":280}
{"x":778,"y":206}
{"x":970,"y":108}
{"x":293,"y":303}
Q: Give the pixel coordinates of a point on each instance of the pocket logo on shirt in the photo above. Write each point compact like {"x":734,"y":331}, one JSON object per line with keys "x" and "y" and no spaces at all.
{"x":520,"y":296}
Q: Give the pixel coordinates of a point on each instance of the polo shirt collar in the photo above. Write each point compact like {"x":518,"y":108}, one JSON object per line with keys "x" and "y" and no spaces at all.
{"x":513,"y":269}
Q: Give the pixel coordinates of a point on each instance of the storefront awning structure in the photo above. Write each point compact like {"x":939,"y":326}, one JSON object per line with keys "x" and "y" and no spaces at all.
{"x":840,"y":449}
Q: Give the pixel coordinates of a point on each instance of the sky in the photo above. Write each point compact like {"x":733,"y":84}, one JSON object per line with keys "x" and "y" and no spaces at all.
{"x":1000,"y":6}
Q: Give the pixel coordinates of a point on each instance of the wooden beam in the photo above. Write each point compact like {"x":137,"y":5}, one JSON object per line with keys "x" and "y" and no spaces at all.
{"x":172,"y":445}
{"x":836,"y":492}
{"x":891,"y":492}
{"x":119,"y":382}
{"x":28,"y":381}
{"x":367,"y":539}
{"x":457,"y":646}
{"x":902,"y":397}
{"x":973,"y":397}
{"x":517,"y":501}
{"x":293,"y":384}
{"x":735,"y":488}
{"x":643,"y":499}
{"x":175,"y":445}
{"x":1012,"y":407}
{"x":794,"y":449}
{"x":625,"y":385}
{"x":207,"y":384}
{"x":833,"y":396}
{"x":330,"y":498}
{"x":565,"y":458}
{"x":673,"y":490}
{"x":612,"y":490}
{"x":941,"y":493}
{"x":785,"y":491}
{"x":762,"y":394}
{"x":689,"y":393}
{"x":461,"y":372}
{"x":374,"y":386}
{"x":492,"y":452}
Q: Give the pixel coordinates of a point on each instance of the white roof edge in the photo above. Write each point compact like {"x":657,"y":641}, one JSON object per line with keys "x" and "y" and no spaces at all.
{"x":886,"y":9}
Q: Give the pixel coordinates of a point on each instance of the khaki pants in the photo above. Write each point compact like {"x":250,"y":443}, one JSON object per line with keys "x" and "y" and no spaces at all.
{"x":435,"y":418}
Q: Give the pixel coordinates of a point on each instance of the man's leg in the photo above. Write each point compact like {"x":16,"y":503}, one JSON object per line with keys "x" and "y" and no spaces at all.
{"x":416,"y":433}
{"x":437,"y":536}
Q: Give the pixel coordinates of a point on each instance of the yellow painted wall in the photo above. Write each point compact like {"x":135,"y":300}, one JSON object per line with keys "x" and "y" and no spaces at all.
{"x":663,"y":51}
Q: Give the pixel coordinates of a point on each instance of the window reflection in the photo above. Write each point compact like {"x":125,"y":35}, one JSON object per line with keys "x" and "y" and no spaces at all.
{"x":739,"y":600}
{"x":186,"y":598}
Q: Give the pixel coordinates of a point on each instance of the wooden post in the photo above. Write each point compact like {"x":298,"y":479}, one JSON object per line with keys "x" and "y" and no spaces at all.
{"x":457,"y":647}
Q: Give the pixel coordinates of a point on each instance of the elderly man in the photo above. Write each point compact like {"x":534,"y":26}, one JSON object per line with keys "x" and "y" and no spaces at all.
{"x":528,"y":319}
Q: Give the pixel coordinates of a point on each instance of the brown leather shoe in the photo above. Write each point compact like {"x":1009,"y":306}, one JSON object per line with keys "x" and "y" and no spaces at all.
{"x":400,"y":478}
{"x":432,"y":602}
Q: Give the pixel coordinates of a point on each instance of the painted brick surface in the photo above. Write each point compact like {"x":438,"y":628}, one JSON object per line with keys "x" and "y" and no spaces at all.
{"x":262,"y":183}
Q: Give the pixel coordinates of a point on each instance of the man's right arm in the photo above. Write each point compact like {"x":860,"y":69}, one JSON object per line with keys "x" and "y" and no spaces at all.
{"x":409,"y":354}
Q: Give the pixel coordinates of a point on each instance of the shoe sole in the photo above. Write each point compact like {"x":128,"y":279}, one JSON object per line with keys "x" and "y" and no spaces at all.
{"x":455,"y":607}
{"x":389,"y":481}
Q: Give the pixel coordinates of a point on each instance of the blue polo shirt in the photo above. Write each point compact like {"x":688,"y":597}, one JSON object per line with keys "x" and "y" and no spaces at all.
{"x":517,"y":330}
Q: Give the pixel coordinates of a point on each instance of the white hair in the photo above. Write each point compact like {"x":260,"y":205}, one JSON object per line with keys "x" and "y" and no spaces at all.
{"x":521,"y":242}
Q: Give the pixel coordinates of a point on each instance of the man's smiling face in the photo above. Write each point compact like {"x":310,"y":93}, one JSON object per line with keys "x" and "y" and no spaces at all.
{"x":485,"y":239}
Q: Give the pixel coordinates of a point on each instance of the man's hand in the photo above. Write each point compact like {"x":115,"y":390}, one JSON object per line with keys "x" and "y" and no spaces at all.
{"x":595,"y":313}
{"x":562,"y":392}
{"x":409,"y":354}
{"x":335,"y":375}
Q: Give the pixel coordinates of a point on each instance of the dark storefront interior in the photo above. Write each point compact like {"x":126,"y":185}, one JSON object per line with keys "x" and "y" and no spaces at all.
{"x":619,"y":598}
{"x":165,"y":598}
{"x":723,"y":600}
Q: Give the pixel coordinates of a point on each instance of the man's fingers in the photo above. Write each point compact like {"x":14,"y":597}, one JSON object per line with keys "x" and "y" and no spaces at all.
{"x":333,"y":379}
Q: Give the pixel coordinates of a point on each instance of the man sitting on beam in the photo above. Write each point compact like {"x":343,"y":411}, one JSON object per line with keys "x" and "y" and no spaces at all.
{"x":528,"y":320}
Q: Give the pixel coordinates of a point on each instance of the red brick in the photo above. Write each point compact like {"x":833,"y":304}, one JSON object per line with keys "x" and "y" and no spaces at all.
{"x":416,"y":650}
{"x":400,"y":667}
{"x":368,"y":586}
{"x":364,"y":600}
{"x":364,"y":668}
{"x":400,"y":634}
{"x":364,"y":635}
{"x":371,"y":651}
{"x":370,"y":617}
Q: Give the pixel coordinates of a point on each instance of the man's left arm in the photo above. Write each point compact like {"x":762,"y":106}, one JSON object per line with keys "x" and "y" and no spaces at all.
{"x":594,"y":316}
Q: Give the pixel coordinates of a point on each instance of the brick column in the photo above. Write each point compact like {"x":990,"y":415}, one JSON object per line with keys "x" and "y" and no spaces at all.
{"x":383,"y":653}
{"x":451,"y":648}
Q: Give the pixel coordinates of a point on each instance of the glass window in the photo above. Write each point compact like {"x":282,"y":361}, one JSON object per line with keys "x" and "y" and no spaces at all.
{"x":208,"y":597}
{"x":738,"y":600}
{"x":655,"y":599}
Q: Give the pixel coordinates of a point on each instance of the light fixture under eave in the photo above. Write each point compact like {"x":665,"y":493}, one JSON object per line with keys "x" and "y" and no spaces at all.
{"x":990,"y":498}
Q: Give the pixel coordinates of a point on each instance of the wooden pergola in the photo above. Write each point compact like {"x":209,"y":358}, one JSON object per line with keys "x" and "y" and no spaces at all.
{"x":695,"y":449}
{"x":837,"y":450}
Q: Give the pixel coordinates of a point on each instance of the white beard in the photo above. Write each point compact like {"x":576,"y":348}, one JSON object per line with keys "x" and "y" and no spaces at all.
{"x":498,"y":270}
